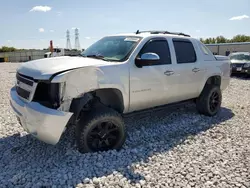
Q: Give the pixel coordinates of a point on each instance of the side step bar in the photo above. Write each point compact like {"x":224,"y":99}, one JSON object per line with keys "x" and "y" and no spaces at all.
{"x":159,"y":108}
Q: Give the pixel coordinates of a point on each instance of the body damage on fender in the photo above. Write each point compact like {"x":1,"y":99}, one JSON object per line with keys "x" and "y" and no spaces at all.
{"x":83,"y":80}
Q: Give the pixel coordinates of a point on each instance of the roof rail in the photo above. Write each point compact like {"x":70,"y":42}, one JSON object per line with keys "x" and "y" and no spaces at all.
{"x":162,"y":32}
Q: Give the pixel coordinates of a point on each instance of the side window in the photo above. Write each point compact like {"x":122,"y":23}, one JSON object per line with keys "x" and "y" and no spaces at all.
{"x":161,"y":48}
{"x":184,"y":51}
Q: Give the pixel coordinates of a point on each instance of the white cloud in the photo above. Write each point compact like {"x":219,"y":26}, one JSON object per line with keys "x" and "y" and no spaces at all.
{"x":41,"y":30}
{"x":52,"y":31}
{"x":239,"y":17}
{"x":59,"y":13}
{"x":9,"y":41}
{"x":88,"y":38}
{"x":198,"y":31}
{"x":40,"y":9}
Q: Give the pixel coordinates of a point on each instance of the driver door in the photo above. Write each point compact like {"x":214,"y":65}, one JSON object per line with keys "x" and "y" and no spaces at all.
{"x":150,"y":85}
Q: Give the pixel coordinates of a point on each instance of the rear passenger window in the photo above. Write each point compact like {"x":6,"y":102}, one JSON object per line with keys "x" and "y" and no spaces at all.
{"x":161,"y":48}
{"x":184,"y":51}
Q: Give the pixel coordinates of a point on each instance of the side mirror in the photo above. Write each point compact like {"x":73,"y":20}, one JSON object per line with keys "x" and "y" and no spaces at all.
{"x":146,"y":59}
{"x":150,"y":56}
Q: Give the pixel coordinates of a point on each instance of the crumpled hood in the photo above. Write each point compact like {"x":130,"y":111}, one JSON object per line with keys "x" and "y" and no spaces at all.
{"x":43,"y":68}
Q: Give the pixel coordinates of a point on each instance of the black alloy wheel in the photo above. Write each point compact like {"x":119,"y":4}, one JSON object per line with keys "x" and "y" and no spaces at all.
{"x":214,"y":101}
{"x":100,"y":129}
{"x":209,"y":101}
{"x":103,"y":136}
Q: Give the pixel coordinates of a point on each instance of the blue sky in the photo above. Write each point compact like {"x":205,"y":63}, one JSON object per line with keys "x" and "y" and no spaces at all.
{"x":33,"y":23}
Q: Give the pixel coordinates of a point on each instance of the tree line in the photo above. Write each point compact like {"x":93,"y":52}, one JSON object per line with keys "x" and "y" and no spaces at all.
{"x":222,"y":39}
{"x":7,"y":49}
{"x":12,"y":49}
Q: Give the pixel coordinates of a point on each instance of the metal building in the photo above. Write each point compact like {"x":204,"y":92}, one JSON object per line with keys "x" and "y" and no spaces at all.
{"x":227,"y":48}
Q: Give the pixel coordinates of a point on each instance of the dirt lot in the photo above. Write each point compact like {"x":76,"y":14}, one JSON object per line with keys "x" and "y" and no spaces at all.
{"x":170,"y":148}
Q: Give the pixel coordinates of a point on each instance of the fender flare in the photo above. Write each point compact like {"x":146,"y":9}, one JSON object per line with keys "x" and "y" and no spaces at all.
{"x":77,"y":105}
{"x":206,"y":79}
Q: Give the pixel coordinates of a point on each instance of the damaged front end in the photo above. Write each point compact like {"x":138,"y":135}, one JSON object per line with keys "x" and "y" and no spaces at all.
{"x":46,"y":102}
{"x":59,"y":90}
{"x":36,"y":104}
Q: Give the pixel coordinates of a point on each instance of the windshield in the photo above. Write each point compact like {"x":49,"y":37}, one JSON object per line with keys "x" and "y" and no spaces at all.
{"x":240,"y":57}
{"x":114,"y":48}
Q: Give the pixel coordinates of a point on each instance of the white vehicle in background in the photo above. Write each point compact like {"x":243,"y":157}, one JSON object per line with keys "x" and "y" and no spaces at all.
{"x":117,"y":75}
{"x":56,"y":53}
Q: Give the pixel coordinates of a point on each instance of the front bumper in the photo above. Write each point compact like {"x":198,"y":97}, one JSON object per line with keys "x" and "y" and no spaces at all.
{"x":240,"y":70}
{"x":43,"y":123}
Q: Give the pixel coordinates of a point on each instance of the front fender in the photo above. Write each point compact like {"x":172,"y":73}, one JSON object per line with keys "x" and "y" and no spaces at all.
{"x":87,"y":79}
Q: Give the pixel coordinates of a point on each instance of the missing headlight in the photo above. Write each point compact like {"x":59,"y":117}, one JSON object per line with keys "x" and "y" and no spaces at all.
{"x":48,"y":94}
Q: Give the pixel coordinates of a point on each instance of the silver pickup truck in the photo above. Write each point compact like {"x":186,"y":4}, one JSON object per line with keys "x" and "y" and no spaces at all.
{"x":115,"y":76}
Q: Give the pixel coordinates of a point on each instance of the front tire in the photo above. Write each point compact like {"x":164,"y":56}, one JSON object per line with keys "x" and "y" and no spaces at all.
{"x":100,"y":129}
{"x":209,"y":102}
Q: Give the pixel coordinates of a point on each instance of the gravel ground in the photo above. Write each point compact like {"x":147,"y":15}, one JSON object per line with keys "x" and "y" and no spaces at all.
{"x":169,"y":148}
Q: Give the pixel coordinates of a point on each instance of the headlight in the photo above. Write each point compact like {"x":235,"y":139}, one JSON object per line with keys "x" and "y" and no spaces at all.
{"x":246,"y":65}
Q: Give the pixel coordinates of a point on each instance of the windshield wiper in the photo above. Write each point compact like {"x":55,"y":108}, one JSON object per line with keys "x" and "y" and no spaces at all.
{"x":95,"y":56}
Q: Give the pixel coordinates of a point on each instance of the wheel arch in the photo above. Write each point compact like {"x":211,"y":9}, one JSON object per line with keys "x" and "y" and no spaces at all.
{"x":212,"y":80}
{"x":110,"y":97}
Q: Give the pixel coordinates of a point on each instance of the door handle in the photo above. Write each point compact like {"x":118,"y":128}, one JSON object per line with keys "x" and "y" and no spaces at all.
{"x":169,"y":73}
{"x":195,"y":69}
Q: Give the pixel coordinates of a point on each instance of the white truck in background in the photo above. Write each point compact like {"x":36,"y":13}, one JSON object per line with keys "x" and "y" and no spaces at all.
{"x":55,"y":53}
{"x":117,"y":75}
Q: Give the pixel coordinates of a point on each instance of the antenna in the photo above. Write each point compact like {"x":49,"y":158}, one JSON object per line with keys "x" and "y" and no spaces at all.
{"x":68,"y":45}
{"x":77,"y":42}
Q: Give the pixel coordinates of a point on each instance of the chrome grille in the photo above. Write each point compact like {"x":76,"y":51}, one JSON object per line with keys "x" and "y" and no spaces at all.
{"x":23,"y":93}
{"x":238,"y":65}
{"x":24,"y":80}
{"x":25,"y":87}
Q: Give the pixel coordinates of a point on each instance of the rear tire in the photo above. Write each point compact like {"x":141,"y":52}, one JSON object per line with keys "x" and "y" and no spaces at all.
{"x":100,"y":129}
{"x":209,"y":101}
